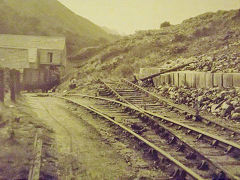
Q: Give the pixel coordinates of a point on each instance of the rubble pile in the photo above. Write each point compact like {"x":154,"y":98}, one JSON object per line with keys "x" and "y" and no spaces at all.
{"x":225,"y":61}
{"x":222,"y":63}
{"x":220,"y":102}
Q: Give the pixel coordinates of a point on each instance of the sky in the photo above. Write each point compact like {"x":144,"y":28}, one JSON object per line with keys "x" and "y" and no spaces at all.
{"x":128,"y":16}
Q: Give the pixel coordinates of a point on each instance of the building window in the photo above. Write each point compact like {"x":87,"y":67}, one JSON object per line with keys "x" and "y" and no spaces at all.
{"x":50,"y":57}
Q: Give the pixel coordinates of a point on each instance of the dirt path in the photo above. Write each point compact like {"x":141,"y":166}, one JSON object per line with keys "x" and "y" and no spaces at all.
{"x":82,"y":153}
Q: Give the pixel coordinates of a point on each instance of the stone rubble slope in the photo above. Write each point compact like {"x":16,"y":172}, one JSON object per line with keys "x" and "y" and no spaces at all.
{"x":224,"y":103}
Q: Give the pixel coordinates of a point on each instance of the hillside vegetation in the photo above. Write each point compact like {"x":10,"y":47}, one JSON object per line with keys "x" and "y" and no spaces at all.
{"x":49,"y":17}
{"x":213,"y":38}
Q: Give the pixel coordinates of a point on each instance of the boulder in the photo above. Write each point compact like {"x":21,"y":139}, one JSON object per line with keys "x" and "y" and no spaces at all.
{"x":226,"y":108}
{"x":214,"y":108}
{"x":205,"y":107}
{"x":234,"y":103}
{"x":236,"y":116}
{"x":225,"y":105}
{"x":237,"y":110}
{"x":200,"y":98}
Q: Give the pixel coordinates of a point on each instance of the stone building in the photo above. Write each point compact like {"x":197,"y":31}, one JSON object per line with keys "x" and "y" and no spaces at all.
{"x":26,"y":51}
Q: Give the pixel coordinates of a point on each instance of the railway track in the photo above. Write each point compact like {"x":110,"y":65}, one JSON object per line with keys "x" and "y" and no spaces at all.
{"x":223,"y":152}
{"x":153,"y":105}
{"x":174,"y":149}
{"x":223,"y":127}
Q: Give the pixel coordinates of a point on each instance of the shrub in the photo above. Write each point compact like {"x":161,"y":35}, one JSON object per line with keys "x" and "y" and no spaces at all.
{"x":165,"y":24}
{"x":179,"y":38}
{"x":178,"y":49}
{"x":205,"y":31}
{"x":125,"y":70}
{"x":148,"y":33}
{"x":139,"y":51}
{"x":237,"y":16}
{"x":158,"y":44}
{"x":238,"y":13}
{"x":113,"y":52}
{"x":102,"y":40}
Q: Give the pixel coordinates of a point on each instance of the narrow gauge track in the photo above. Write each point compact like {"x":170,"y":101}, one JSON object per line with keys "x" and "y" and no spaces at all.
{"x":176,"y":169}
{"x":206,"y":122}
{"x":226,"y":151}
{"x":147,"y":101}
{"x":180,"y":150}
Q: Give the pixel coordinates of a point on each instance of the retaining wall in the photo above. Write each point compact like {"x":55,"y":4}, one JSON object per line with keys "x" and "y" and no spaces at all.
{"x":196,"y":79}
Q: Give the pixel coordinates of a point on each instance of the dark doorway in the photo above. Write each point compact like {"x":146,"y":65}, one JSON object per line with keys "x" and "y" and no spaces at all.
{"x":50,"y":57}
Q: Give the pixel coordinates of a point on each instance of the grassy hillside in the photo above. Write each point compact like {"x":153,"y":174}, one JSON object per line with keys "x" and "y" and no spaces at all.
{"x":208,"y":37}
{"x":49,"y":17}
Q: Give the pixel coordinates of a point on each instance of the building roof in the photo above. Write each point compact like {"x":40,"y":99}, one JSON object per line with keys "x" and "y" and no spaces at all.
{"x":29,"y":41}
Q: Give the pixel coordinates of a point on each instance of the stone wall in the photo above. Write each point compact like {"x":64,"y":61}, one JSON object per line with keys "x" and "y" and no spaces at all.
{"x":57,"y":58}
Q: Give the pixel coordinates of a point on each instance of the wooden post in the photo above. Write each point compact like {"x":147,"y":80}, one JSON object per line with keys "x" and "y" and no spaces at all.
{"x":24,"y":82}
{"x":18,"y":88}
{"x":2,"y":85}
{"x":12,"y":84}
{"x":34,"y":172}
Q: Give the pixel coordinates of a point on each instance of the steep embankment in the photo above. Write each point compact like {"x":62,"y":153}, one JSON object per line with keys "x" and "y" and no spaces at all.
{"x":49,"y":17}
{"x":212,"y":38}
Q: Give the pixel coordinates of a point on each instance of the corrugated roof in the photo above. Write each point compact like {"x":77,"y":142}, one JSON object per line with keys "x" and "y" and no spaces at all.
{"x":29,"y":41}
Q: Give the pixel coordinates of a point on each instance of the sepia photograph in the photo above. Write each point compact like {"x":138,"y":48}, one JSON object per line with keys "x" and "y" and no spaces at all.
{"x":119,"y":89}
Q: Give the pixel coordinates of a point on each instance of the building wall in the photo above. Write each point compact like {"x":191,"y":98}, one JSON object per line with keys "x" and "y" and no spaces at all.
{"x":32,"y":55}
{"x":57,"y":56}
{"x":33,"y":65}
{"x":14,"y":58}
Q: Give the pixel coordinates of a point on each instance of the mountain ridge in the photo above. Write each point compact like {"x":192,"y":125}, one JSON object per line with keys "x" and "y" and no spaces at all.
{"x":51,"y":18}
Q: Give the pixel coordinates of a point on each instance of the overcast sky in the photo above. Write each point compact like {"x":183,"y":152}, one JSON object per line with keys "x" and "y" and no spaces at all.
{"x":127,"y":16}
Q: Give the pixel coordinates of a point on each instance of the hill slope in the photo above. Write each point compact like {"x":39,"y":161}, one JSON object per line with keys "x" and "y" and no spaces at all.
{"x":49,"y":17}
{"x":212,"y":37}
